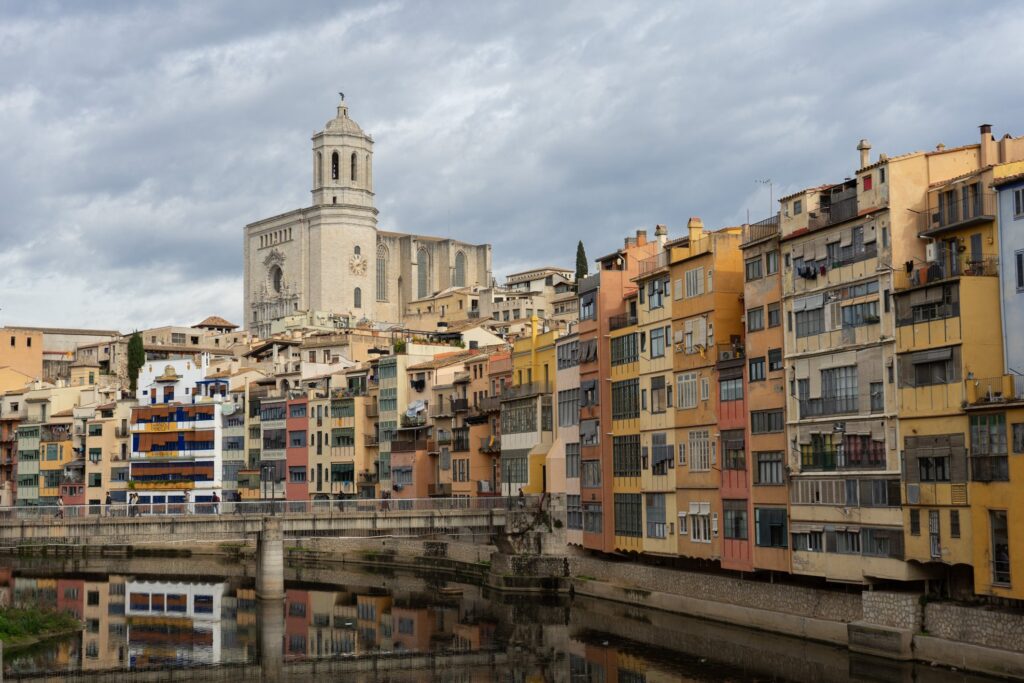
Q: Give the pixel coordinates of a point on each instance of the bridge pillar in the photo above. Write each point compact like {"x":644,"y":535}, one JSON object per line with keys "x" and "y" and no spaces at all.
{"x":271,"y":621}
{"x":270,"y":560}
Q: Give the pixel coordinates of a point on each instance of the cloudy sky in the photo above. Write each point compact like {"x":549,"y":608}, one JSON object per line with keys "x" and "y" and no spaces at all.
{"x":137,"y":139}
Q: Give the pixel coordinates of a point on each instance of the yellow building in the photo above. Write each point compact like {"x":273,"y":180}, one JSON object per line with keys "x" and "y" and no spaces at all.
{"x":527,"y":424}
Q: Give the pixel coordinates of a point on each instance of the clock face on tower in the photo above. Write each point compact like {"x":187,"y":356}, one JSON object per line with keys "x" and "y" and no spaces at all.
{"x":357,"y":264}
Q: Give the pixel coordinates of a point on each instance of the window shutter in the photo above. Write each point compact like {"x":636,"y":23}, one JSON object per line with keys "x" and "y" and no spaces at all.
{"x":682,"y":454}
{"x":678,"y":293}
{"x":714,"y":524}
{"x":682,"y":523}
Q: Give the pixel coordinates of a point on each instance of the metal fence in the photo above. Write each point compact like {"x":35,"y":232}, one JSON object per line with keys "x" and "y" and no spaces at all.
{"x":261,"y":508}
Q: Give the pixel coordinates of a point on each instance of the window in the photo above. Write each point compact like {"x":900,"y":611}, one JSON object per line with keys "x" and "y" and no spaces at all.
{"x":752,"y":269}
{"x":297,"y":439}
{"x":1018,"y":203}
{"x":734,"y":513}
{"x":591,"y":471}
{"x":460,"y":269}
{"x":382,"y":273}
{"x":774,"y":315}
{"x":357,"y":298}
{"x":569,"y":355}
{"x":626,"y":455}
{"x":769,"y":468}
{"x":624,"y":349}
{"x":877,"y":397}
{"x":658,"y":395}
{"x":733,"y":453}
{"x":770,"y":527}
{"x":572,"y":461}
{"x":628,"y":515}
{"x":334,"y":166}
{"x":810,"y":541}
{"x":757,"y":369}
{"x":809,"y":323}
{"x":755,"y":319}
{"x":661,"y":454}
{"x":626,"y":399}
{"x":700,"y":522}
{"x":568,"y":407}
{"x":655,"y":519}
{"x":705,"y":388}
{"x":590,"y":433}
{"x":588,"y":306}
{"x":798,"y":207}
{"x":1019,"y":261}
{"x":592,"y":518}
{"x":731,"y":389}
{"x":774,"y":360}
{"x":694,"y":282}
{"x":297,"y":475}
{"x":701,"y":451}
{"x":574,"y":512}
{"x":656,"y":291}
{"x":865,"y":313}
{"x":658,"y":342}
{"x":954,"y":523}
{"x":928,"y":368}
{"x":771,"y":262}
{"x":988,"y":434}
{"x":422,"y":273}
{"x":686,"y":390}
{"x":867,"y":182}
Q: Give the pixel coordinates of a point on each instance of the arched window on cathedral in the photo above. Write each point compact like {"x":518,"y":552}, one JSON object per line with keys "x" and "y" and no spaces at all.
{"x":334,"y":166}
{"x":319,"y":169}
{"x":382,"y":273}
{"x":358,"y":298}
{"x":358,"y":250}
{"x":422,"y":273}
{"x":460,"y":269}
{"x":353,"y":164}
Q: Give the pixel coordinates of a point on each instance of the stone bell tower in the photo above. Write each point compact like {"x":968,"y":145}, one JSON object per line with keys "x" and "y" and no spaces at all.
{"x":342,"y":163}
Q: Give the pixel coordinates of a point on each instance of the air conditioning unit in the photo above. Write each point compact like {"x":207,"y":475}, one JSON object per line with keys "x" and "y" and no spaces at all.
{"x":931,"y":252}
{"x":725,"y":355}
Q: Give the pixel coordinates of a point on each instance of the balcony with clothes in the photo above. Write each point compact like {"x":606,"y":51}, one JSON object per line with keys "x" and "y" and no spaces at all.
{"x":945,"y":262}
{"x":762,"y":230}
{"x":490,"y":445}
{"x":994,"y":391}
{"x":950,"y":210}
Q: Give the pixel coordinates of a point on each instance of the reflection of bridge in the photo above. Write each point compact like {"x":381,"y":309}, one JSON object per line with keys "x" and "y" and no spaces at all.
{"x":394,"y":666}
{"x":75,"y":526}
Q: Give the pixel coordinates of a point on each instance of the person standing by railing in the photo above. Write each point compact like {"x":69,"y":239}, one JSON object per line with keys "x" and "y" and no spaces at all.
{"x":106,"y":505}
{"x":60,"y":507}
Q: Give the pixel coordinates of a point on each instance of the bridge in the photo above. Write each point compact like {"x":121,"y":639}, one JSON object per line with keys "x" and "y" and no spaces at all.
{"x":268,"y":522}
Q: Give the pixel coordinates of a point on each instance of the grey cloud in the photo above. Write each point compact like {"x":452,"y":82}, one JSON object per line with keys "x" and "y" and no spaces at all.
{"x":138,"y":139}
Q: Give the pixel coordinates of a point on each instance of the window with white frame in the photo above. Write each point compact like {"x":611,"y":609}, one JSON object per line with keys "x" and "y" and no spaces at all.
{"x":701,"y":449}
{"x":1018,"y":259}
{"x":700,"y":522}
{"x":694,"y":282}
{"x":705,"y":389}
{"x":1018,"y":203}
{"x":686,"y":390}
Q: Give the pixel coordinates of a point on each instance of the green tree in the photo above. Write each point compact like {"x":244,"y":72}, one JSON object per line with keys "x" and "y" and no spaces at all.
{"x":581,"y":261}
{"x":136,"y":359}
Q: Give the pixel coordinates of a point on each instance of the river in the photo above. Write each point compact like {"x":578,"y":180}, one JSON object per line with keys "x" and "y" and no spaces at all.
{"x":144,"y":616}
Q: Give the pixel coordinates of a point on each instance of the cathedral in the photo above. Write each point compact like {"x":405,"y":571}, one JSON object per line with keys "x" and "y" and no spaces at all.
{"x":330,"y":257}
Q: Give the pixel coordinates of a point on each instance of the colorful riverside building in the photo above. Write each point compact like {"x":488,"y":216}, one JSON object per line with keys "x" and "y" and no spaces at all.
{"x":527,"y":419}
{"x":602,"y":297}
{"x":627,"y":500}
{"x":764,"y":389}
{"x":953,"y":402}
{"x":177,"y":434}
{"x":843,"y":246}
{"x":707,"y":331}
{"x":567,"y":433}
{"x":647,"y":349}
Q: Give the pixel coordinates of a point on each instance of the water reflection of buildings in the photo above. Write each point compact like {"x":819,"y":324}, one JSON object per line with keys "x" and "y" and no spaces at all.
{"x":140,"y":623}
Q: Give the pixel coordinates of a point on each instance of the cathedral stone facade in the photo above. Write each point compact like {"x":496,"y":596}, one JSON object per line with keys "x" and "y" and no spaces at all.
{"x":330,"y":257}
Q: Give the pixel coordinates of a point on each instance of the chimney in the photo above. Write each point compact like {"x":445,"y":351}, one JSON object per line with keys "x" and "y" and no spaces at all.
{"x":641,"y":238}
{"x":695,"y":228}
{"x":864,"y":147}
{"x":988,"y":145}
{"x":661,"y":234}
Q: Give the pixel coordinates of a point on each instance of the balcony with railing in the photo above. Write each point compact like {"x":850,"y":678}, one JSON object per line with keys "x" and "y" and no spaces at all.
{"x":489,"y":404}
{"x":525,"y":390}
{"x":408,"y":445}
{"x":950,"y":214}
{"x":491,"y":445}
{"x":436,"y":490}
{"x":368,"y":477}
{"x":762,"y":230}
{"x":987,"y":391}
{"x":414,"y":421}
{"x":654,"y":263}
{"x":821,"y":407}
{"x":948,"y":267}
{"x":986,"y":468}
{"x":842,"y":207}
{"x":617,"y":322}
{"x":370,"y":440}
{"x":371,"y":409}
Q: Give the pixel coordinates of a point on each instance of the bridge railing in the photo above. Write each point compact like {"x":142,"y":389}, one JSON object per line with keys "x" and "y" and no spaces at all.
{"x":265,"y":507}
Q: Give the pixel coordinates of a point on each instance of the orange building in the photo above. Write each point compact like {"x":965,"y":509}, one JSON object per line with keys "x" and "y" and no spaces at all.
{"x":706,"y":323}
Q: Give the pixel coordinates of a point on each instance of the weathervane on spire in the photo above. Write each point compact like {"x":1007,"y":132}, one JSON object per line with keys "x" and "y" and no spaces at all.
{"x":342,"y":95}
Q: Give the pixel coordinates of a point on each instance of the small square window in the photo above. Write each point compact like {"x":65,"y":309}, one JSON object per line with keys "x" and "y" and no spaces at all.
{"x":867,"y":182}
